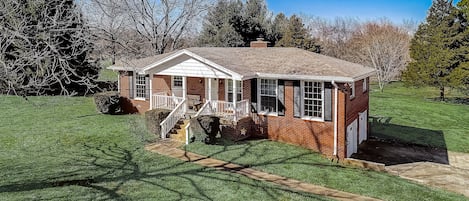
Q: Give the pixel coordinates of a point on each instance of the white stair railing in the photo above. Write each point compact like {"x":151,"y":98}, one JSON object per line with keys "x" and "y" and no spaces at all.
{"x":242,"y":109}
{"x":206,"y":109}
{"x":172,"y":119}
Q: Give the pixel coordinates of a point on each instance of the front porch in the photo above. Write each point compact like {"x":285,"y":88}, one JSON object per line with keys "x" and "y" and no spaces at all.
{"x":190,"y":85}
{"x":182,"y":108}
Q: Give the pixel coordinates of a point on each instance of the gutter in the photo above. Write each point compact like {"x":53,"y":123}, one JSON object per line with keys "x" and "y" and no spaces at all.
{"x":336,"y":103}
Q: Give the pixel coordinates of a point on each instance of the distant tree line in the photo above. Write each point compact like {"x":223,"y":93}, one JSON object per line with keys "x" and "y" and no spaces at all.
{"x":232,"y":23}
{"x":55,"y":46}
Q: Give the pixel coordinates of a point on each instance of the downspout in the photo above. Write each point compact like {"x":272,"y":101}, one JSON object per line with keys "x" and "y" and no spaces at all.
{"x":336,"y":103}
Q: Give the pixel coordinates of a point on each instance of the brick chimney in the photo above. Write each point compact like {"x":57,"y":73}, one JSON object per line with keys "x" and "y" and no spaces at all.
{"x":259,"y":43}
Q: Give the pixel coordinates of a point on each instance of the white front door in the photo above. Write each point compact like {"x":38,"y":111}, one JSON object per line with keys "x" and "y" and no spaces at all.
{"x":352,"y":145}
{"x":176,"y":86}
{"x":213,"y":89}
{"x":362,"y":126}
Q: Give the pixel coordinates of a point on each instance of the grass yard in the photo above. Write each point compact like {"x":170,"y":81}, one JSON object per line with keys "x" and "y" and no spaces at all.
{"x":415,"y":117}
{"x":305,"y":165}
{"x":105,"y":74}
{"x":59,"y":148}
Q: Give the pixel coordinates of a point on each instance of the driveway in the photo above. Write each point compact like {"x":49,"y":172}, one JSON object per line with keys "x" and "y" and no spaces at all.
{"x":453,"y":177}
{"x":430,"y":166}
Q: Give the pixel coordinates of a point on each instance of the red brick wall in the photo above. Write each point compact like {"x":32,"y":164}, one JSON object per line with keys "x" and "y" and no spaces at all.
{"x":315,"y":135}
{"x":357,"y":104}
{"x":341,"y":128}
{"x":161,"y":83}
{"x":130,"y":105}
{"x":246,"y":90}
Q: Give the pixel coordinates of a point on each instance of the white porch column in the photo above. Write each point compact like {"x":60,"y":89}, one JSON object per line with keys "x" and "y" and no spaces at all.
{"x":150,"y":79}
{"x":184,"y":91}
{"x":210,"y":89}
{"x":235,"y":96}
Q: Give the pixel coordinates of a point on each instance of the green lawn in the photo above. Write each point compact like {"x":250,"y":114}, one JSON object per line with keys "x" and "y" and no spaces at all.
{"x":59,"y":148}
{"x":415,"y":117}
{"x":305,"y":165}
{"x":105,"y":74}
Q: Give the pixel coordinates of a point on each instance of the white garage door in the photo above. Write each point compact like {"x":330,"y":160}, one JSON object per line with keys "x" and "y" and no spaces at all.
{"x":352,"y":138}
{"x":362,"y":126}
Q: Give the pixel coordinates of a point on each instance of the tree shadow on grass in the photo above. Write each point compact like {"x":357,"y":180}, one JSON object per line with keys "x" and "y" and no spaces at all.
{"x":110,"y":168}
{"x":393,"y":144}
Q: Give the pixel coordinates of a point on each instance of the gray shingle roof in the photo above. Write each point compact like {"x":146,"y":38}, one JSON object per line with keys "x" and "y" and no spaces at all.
{"x":279,"y":61}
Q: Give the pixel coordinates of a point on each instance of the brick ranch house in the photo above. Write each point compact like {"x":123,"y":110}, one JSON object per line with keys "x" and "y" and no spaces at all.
{"x":292,"y":95}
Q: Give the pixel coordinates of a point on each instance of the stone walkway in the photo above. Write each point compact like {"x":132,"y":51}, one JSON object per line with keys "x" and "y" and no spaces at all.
{"x":169,"y":148}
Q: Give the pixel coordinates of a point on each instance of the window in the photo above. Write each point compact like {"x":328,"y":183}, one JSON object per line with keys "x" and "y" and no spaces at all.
{"x":352,"y":90}
{"x":177,"y":81}
{"x":365,"y":86}
{"x":229,"y":91}
{"x":140,"y":87}
{"x":268,"y":95}
{"x":313,"y":99}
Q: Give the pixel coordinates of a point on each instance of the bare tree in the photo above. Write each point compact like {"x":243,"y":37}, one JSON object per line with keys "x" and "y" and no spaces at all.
{"x":333,"y":35}
{"x":127,"y":29}
{"x":163,"y":22}
{"x":383,"y":46}
{"x":44,"y":48}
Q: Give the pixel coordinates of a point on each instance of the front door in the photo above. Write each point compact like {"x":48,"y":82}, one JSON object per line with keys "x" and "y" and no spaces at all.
{"x":176,"y":86}
{"x":213,"y":89}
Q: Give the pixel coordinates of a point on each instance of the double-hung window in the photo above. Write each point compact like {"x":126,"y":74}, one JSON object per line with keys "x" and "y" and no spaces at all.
{"x":229,"y":90}
{"x":268,"y":96}
{"x":140,"y":87}
{"x":313,"y":100}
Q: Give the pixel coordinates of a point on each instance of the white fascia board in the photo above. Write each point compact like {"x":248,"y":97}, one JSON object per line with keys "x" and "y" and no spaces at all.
{"x":305,"y":77}
{"x":363,"y":76}
{"x":117,"y":68}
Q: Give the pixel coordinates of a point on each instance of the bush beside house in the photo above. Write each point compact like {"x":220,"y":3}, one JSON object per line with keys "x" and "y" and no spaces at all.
{"x":108,"y":102}
{"x":205,"y":128}
{"x":153,"y":119}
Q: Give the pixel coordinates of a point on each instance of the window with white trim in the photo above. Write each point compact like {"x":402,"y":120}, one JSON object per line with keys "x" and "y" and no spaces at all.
{"x":268,"y":96}
{"x":313,"y":99}
{"x":352,"y":90}
{"x":140,"y":86}
{"x":229,"y":90}
{"x":177,"y":81}
{"x":365,"y":85}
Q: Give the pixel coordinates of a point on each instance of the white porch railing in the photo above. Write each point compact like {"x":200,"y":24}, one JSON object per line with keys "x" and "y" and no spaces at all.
{"x":173,"y":118}
{"x":226,"y":109}
{"x":163,"y":101}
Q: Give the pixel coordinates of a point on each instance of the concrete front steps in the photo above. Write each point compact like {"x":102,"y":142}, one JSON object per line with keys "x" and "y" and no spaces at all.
{"x":179,"y":131}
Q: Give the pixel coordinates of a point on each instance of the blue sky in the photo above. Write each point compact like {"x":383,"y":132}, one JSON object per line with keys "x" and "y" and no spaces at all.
{"x":394,"y":10}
